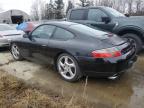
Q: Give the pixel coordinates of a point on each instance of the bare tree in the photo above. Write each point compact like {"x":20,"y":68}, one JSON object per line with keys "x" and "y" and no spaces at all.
{"x":35,"y":10}
{"x":41,"y":9}
{"x":130,"y":4}
{"x":55,"y":8}
{"x":1,"y":9}
{"x":70,"y":6}
{"x":138,"y":5}
{"x":38,"y":10}
{"x":91,"y":2}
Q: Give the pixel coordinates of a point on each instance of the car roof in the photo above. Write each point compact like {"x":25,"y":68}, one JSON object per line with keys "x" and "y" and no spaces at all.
{"x":90,"y":7}
{"x":60,"y":23}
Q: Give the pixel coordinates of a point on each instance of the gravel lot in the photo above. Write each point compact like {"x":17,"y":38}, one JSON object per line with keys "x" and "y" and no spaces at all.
{"x":126,"y":92}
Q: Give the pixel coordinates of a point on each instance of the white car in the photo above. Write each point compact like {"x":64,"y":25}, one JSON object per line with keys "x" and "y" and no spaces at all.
{"x":8,"y":33}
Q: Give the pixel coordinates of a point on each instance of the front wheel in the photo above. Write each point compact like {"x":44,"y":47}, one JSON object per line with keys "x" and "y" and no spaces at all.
{"x":68,"y":68}
{"x":16,"y":52}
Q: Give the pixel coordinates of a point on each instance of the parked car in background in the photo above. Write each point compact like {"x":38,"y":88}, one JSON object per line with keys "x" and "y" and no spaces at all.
{"x":8,"y":33}
{"x":76,"y":50}
{"x":108,"y":19}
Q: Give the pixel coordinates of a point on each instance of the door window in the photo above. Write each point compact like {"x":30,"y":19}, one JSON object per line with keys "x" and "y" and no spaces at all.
{"x":62,"y":34}
{"x":44,"y":31}
{"x":77,"y":14}
{"x":96,"y":15}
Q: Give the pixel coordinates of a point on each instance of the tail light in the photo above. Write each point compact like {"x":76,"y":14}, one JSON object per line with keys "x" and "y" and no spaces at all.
{"x":106,"y":53}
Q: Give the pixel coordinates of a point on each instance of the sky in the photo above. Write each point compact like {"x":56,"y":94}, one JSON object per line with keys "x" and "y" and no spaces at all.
{"x":24,"y":5}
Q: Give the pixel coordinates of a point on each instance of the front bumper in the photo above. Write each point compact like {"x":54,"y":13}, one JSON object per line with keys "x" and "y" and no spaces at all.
{"x":4,"y":42}
{"x":106,"y":67}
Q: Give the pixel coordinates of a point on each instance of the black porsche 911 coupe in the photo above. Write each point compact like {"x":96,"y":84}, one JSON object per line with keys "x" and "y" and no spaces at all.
{"x":76,"y":50}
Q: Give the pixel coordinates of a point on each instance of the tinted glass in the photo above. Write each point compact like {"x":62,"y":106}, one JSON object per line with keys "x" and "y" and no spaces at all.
{"x":62,"y":34}
{"x":96,"y":15}
{"x":89,"y":31}
{"x":44,"y":31}
{"x":6,"y":27}
{"x":77,"y":15}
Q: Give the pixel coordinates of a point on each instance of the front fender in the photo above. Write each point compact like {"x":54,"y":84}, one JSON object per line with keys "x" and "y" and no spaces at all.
{"x":130,"y":28}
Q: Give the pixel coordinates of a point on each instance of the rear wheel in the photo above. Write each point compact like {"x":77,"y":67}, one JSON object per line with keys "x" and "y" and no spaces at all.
{"x":135,"y":39}
{"x":16,"y":52}
{"x":68,"y":68}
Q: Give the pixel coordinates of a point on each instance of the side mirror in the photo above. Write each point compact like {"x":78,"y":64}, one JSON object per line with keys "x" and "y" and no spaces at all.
{"x":127,"y":15}
{"x":25,"y":36}
{"x":106,"y":19}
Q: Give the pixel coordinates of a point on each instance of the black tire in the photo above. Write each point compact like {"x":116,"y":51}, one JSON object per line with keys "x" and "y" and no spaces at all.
{"x":78,"y":74}
{"x":136,"y":39}
{"x":19,"y":56}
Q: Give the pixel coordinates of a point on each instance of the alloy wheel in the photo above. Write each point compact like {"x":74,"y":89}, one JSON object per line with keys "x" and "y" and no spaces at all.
{"x":67,"y":67}
{"x":133,"y":41}
{"x":15,"y":51}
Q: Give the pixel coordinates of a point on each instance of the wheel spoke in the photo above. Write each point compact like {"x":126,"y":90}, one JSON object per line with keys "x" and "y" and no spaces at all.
{"x":61,"y":64}
{"x":17,"y":52}
{"x":72,"y":65}
{"x":64,"y":72}
{"x":66,"y":60}
{"x":70,"y":72}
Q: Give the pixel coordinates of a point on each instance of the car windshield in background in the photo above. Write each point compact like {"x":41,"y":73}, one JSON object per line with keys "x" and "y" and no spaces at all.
{"x":6,"y":27}
{"x":114,"y":12}
{"x":88,"y":31}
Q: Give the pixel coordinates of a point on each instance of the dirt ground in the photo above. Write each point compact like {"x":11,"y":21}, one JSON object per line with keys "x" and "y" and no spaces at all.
{"x":15,"y":93}
{"x":126,"y":92}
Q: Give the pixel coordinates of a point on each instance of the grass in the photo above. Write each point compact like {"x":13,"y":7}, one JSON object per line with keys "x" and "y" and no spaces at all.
{"x":14,"y":93}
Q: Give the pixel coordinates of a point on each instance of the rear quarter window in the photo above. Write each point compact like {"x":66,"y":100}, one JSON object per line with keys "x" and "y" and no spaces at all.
{"x":62,"y":34}
{"x":77,"y":14}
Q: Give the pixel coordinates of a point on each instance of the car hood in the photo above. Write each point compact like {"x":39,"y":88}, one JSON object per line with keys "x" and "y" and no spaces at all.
{"x":11,"y":32}
{"x":130,"y":19}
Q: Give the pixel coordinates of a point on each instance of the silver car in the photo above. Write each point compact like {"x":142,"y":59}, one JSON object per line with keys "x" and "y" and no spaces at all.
{"x":8,"y":33}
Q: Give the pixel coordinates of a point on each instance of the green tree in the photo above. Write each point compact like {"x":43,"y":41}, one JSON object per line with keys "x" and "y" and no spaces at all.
{"x":59,"y":5}
{"x":50,"y":11}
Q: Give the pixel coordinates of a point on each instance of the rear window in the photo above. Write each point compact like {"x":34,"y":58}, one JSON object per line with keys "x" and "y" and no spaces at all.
{"x":88,"y":31}
{"x":77,"y":14}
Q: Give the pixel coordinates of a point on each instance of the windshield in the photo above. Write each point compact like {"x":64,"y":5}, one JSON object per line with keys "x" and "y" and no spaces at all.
{"x":88,"y":31}
{"x":114,"y":12}
{"x":6,"y":27}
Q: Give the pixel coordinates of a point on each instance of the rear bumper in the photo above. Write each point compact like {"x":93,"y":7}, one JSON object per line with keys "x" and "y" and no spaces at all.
{"x":106,"y":67}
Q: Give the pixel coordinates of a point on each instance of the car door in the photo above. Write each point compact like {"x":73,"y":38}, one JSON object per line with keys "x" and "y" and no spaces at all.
{"x":39,"y":43}
{"x":59,"y":41}
{"x":95,"y":20}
